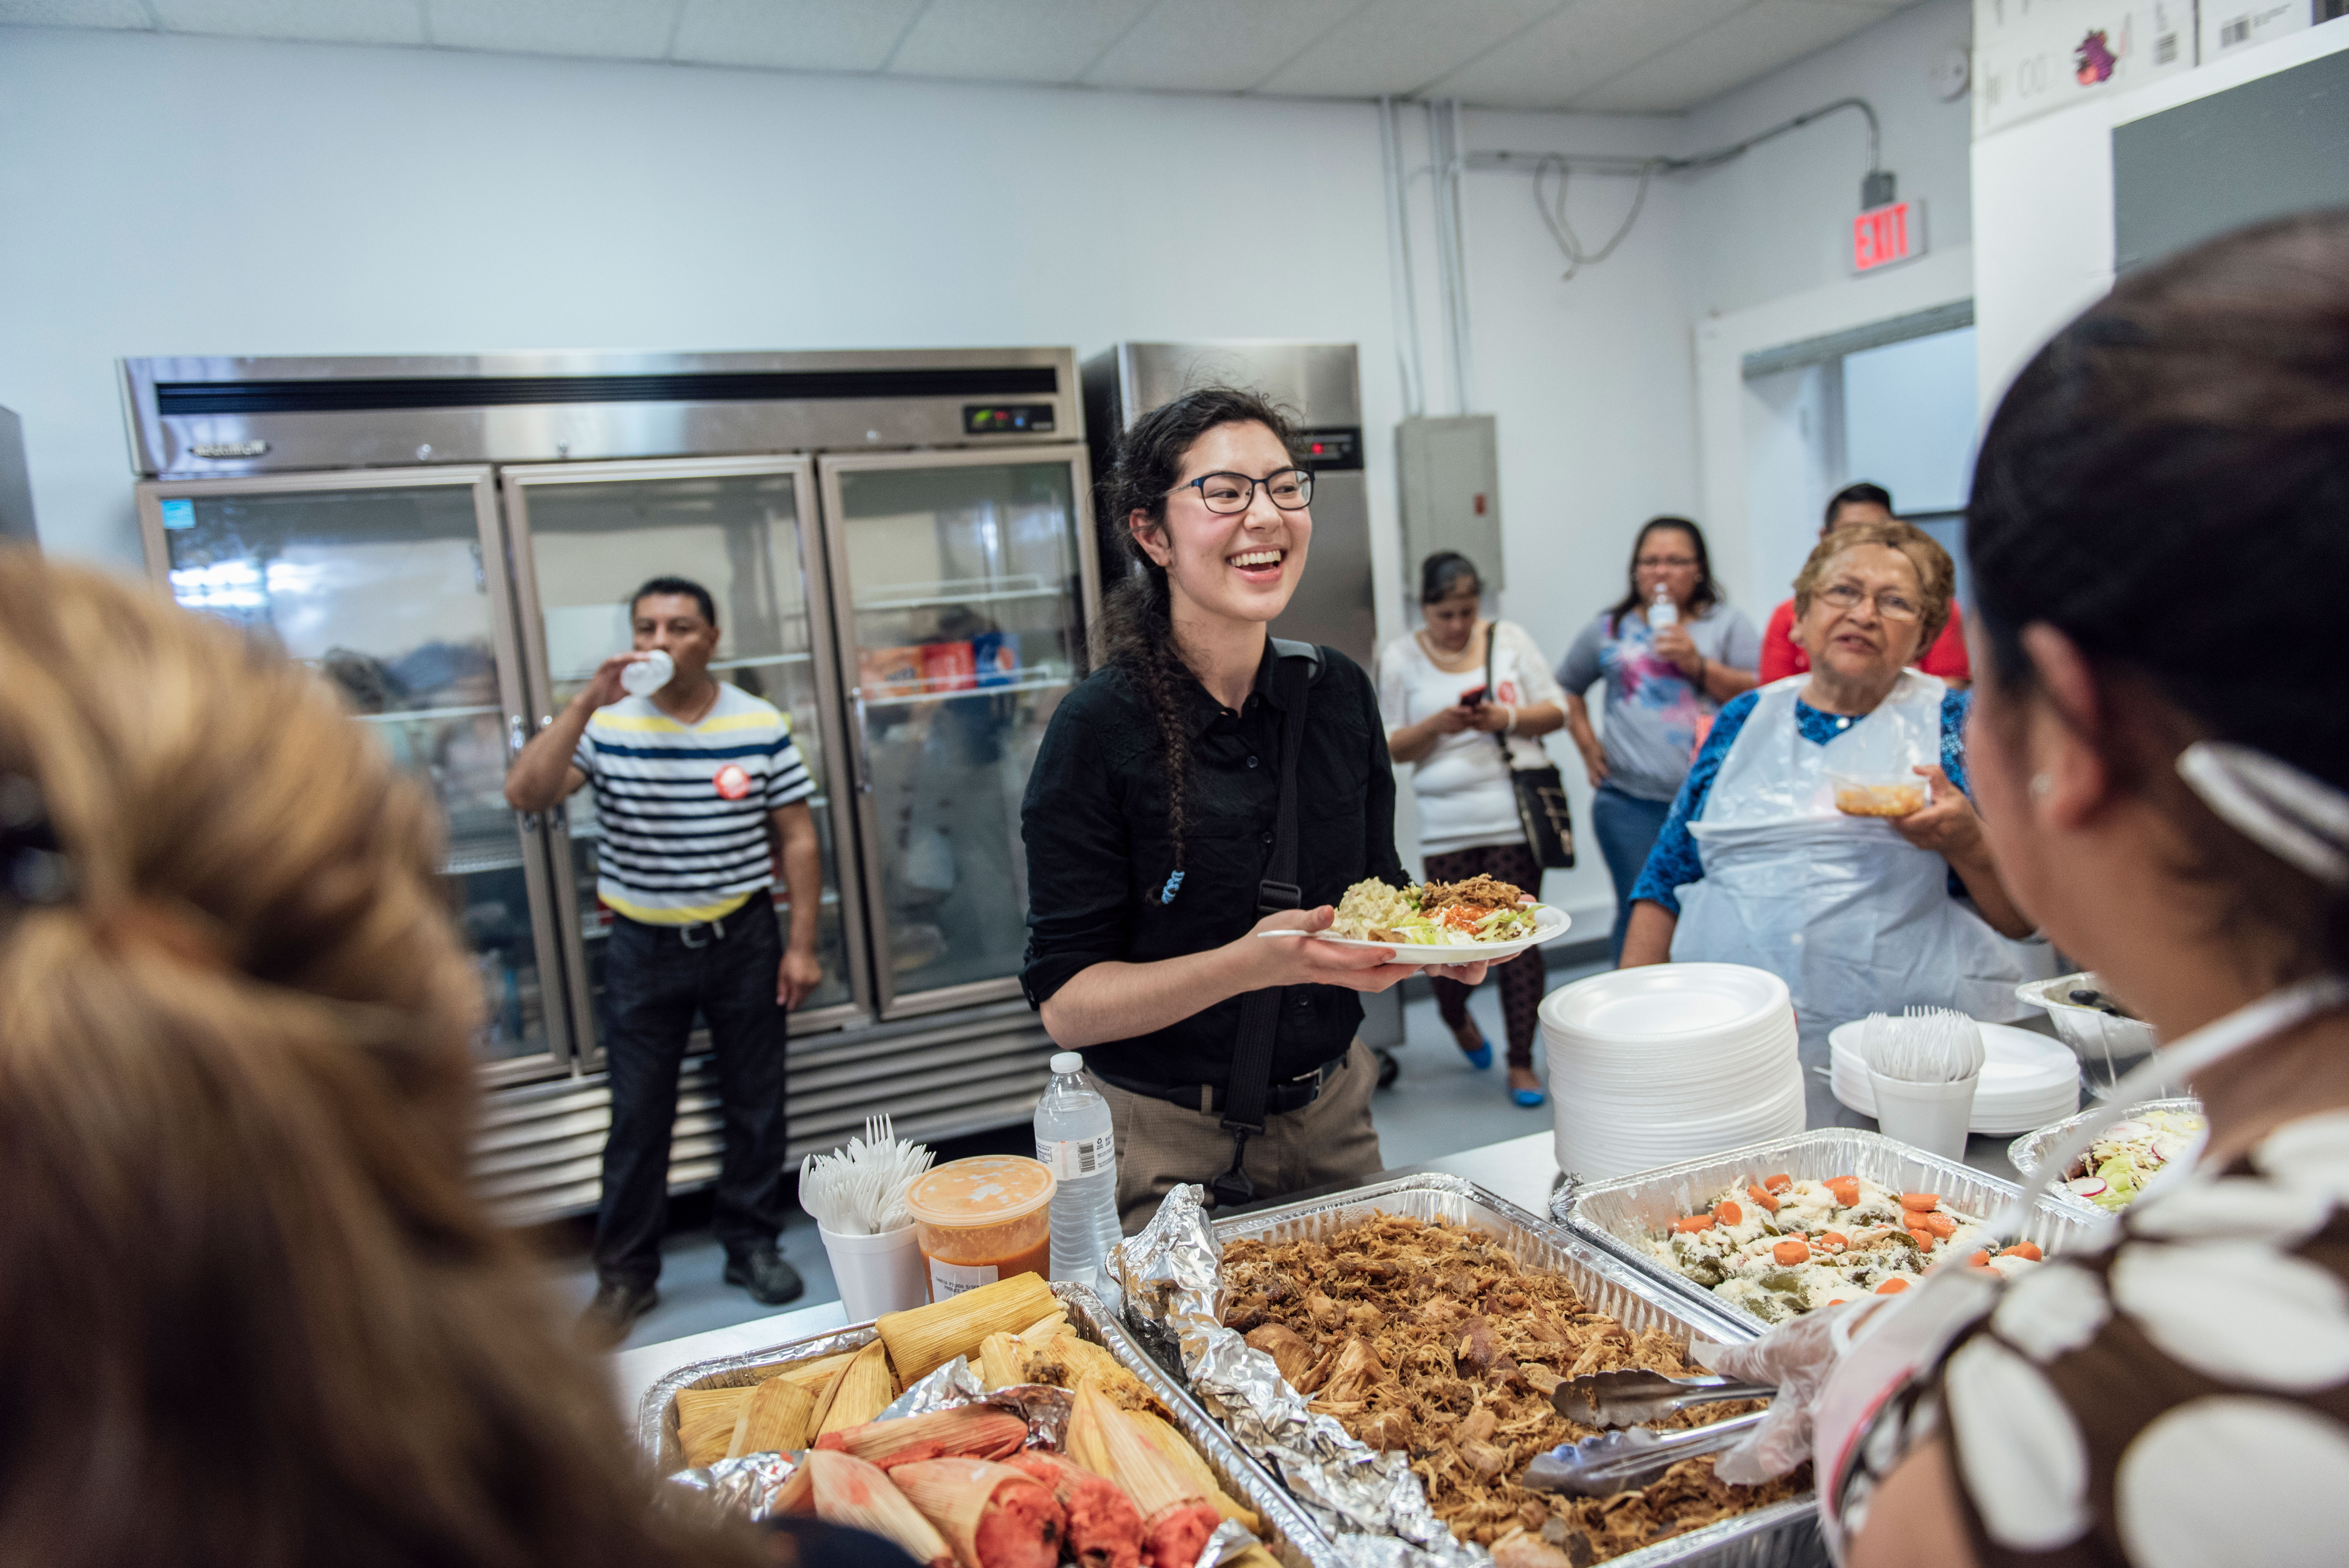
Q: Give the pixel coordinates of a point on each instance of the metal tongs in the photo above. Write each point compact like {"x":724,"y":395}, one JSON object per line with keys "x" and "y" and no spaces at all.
{"x":1617,"y":1461}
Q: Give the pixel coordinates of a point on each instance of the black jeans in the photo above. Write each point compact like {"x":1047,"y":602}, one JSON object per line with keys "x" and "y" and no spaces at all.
{"x":652,"y":985}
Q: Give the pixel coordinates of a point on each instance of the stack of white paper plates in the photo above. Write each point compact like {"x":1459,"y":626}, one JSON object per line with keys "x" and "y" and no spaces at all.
{"x":2027,"y":1079}
{"x":1671,"y":1062}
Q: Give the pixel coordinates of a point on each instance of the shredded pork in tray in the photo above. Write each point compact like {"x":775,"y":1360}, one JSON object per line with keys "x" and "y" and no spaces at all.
{"x":1429,"y":1339}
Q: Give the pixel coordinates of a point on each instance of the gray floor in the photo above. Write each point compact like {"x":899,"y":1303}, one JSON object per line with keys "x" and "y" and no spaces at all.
{"x":1438,"y":1106}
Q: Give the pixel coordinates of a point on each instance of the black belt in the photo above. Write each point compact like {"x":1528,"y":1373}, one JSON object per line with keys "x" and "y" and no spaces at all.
{"x":1290,"y":1094}
{"x":700,"y":936}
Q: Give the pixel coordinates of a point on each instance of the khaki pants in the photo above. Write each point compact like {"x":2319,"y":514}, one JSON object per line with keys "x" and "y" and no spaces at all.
{"x":1160,"y":1145}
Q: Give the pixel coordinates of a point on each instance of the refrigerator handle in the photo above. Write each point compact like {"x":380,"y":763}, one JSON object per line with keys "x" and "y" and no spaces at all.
{"x":857,"y":750}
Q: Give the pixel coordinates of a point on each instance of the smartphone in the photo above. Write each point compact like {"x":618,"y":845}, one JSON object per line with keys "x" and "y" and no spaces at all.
{"x":1472,"y":698}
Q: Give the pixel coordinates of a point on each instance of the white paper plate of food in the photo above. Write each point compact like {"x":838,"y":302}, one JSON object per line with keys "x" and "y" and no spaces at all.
{"x":1469,"y":921}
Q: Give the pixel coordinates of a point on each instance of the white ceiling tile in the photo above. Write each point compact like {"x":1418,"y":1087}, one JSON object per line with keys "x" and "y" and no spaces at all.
{"x":1214,"y":46}
{"x":623,"y":29}
{"x":1400,"y":46}
{"x":792,"y":35}
{"x":311,"y":21}
{"x":74,"y":14}
{"x":1749,"y":45}
{"x":1013,"y":40}
{"x":1581,"y":47}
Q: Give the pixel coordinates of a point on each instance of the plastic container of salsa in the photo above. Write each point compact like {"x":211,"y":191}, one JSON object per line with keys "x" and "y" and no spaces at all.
{"x":982,"y":1220}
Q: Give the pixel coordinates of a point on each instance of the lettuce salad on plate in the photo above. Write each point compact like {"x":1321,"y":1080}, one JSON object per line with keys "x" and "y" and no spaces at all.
{"x":1435,"y":915}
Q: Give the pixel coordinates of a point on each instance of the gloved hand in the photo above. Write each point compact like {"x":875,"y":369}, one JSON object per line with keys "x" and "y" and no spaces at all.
{"x":1796,"y":1356}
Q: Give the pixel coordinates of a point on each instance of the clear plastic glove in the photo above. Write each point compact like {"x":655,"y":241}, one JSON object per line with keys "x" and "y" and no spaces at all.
{"x":1796,"y":1356}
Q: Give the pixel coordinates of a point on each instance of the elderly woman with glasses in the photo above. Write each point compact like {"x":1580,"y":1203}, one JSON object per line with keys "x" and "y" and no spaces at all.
{"x":1824,"y":832}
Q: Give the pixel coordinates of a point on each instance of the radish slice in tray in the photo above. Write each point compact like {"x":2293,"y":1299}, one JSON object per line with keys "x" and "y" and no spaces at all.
{"x":2087,"y":1186}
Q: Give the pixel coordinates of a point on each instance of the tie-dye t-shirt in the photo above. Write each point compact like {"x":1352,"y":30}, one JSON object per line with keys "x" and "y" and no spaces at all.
{"x":1654,"y":718}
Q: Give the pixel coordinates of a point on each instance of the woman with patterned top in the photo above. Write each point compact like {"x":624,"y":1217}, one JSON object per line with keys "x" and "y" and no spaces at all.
{"x":2165,"y":775}
{"x":1759,"y":864}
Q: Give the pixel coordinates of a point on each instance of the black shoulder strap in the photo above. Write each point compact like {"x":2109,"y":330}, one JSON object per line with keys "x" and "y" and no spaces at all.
{"x":1250,"y":1085}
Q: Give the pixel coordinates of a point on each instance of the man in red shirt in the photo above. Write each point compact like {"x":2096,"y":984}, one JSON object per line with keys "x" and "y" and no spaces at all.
{"x":1783,"y":656}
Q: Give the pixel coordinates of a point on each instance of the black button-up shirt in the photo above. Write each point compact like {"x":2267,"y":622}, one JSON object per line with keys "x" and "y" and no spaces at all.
{"x":1099,"y":853}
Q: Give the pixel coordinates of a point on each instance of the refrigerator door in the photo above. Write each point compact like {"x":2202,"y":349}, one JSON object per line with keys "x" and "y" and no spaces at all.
{"x":392,"y":585}
{"x":963,"y":584}
{"x":583,"y":535}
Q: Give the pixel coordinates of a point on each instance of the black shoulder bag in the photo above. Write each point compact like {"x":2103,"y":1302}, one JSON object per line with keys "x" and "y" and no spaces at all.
{"x":1542,"y":807}
{"x":1250,"y":1087}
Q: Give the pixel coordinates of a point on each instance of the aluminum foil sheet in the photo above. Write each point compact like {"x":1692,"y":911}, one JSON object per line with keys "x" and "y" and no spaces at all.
{"x":1621,"y":1214}
{"x":1368,"y":1507}
{"x":748,"y":1486}
{"x":2029,"y":1151}
{"x":1286,"y":1529}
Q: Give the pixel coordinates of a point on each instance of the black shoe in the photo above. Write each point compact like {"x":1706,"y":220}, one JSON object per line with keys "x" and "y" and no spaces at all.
{"x":765,"y":1275}
{"x":617,"y":1305}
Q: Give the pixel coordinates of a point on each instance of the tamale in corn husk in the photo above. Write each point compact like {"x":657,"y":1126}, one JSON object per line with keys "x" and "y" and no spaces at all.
{"x":1002,"y":1361}
{"x":705,"y":1421}
{"x":864,"y":1391}
{"x":1103,"y":1529}
{"x":1176,"y":1517}
{"x":992,"y":1515}
{"x":775,"y":1419}
{"x":1193,"y":1463}
{"x":927,"y":1337}
{"x":849,"y":1491}
{"x":1038,"y":1333}
{"x":962,"y":1431}
{"x":1068,"y":1361}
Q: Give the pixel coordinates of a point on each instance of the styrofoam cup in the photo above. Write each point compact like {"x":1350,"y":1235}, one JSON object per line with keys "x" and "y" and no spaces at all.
{"x":1932,"y":1117}
{"x":877,"y":1273}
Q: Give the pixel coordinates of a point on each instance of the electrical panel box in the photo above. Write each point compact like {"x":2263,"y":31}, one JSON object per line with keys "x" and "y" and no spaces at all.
{"x":1448,"y":471}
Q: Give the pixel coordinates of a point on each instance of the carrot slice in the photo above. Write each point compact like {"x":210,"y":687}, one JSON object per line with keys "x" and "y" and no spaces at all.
{"x":1980,"y":1260}
{"x":1729,"y":1213}
{"x":1920,"y":1203}
{"x":1759,"y":1196}
{"x":1693,"y":1223}
{"x":2027,"y":1250}
{"x":1835,"y":1239}
{"x":1941,"y":1224}
{"x":1924,"y":1239}
{"x":1845,"y":1189}
{"x":1892,"y":1287}
{"x":1779,"y":1183}
{"x":1791,"y":1252}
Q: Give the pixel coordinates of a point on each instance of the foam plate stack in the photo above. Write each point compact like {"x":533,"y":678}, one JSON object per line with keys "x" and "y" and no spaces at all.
{"x":1671,"y":1062}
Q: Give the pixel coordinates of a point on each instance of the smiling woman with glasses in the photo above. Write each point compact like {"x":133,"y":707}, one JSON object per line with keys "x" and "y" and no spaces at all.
{"x":1824,"y":832}
{"x":1665,"y":681}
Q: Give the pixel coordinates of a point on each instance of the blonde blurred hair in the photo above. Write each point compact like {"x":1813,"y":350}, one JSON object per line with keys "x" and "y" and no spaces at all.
{"x":1937,"y":575}
{"x":250,"y":1311}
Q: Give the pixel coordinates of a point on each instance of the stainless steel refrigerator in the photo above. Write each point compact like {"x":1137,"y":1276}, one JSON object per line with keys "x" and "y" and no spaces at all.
{"x":900,"y":548}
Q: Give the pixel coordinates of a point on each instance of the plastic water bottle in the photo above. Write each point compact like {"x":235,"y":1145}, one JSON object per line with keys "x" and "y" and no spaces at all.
{"x":1661,"y":611}
{"x":650,"y":674}
{"x":1072,"y":1136}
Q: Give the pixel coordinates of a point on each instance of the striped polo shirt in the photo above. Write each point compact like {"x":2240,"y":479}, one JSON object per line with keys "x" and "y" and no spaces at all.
{"x":684,"y":810}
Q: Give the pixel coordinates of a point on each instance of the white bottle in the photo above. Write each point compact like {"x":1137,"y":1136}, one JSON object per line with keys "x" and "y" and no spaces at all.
{"x":1662,"y":611}
{"x":650,"y":674}
{"x":1072,"y":1136}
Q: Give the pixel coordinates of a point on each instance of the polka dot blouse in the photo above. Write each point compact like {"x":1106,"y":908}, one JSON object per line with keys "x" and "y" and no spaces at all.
{"x":2180,"y":1398}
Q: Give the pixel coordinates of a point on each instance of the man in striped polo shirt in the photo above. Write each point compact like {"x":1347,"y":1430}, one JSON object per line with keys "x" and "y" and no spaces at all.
{"x":700,"y":795}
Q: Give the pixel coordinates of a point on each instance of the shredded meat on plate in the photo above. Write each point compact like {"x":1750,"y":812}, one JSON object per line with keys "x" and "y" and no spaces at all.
{"x":1429,"y":1339}
{"x":1479,"y":891}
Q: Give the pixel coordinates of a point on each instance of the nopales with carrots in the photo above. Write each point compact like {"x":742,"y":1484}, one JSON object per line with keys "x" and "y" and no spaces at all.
{"x":1778,"y":1247}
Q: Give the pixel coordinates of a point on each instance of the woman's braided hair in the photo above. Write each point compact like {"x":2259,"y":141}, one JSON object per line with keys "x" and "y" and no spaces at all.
{"x":1137,"y":625}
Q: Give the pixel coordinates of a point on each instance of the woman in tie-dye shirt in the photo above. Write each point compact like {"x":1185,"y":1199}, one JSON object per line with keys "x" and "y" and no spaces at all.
{"x":1664,"y":686}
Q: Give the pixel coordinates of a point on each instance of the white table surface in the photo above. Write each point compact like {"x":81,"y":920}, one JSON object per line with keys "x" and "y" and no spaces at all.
{"x":1520,"y":1170}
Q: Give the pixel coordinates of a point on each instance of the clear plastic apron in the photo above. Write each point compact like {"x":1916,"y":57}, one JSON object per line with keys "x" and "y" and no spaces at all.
{"x":1851,"y":915}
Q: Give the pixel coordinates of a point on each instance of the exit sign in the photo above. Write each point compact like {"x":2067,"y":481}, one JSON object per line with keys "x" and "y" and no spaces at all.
{"x":1882,"y":236}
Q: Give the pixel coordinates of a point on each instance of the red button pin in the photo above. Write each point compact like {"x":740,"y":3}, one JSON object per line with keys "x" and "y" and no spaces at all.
{"x":732,"y":782}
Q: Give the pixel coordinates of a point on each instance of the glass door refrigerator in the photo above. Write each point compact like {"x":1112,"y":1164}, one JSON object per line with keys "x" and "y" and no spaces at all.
{"x":963,"y":584}
{"x":391,"y":583}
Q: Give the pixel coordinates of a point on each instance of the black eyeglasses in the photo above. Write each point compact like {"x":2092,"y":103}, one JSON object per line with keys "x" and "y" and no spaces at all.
{"x":1290,"y":489}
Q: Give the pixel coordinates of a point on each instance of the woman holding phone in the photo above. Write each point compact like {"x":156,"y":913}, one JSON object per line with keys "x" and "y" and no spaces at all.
{"x":1465,"y":699}
{"x":1153,"y":826}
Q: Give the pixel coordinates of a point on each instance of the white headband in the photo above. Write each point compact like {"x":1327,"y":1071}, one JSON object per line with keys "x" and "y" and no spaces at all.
{"x":2302,"y":821}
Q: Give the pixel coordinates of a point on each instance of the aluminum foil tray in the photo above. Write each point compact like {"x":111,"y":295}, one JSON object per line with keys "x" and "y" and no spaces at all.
{"x":1782,"y":1535}
{"x":1285,"y":1529}
{"x":1622,"y":1214}
{"x":2028,"y":1151}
